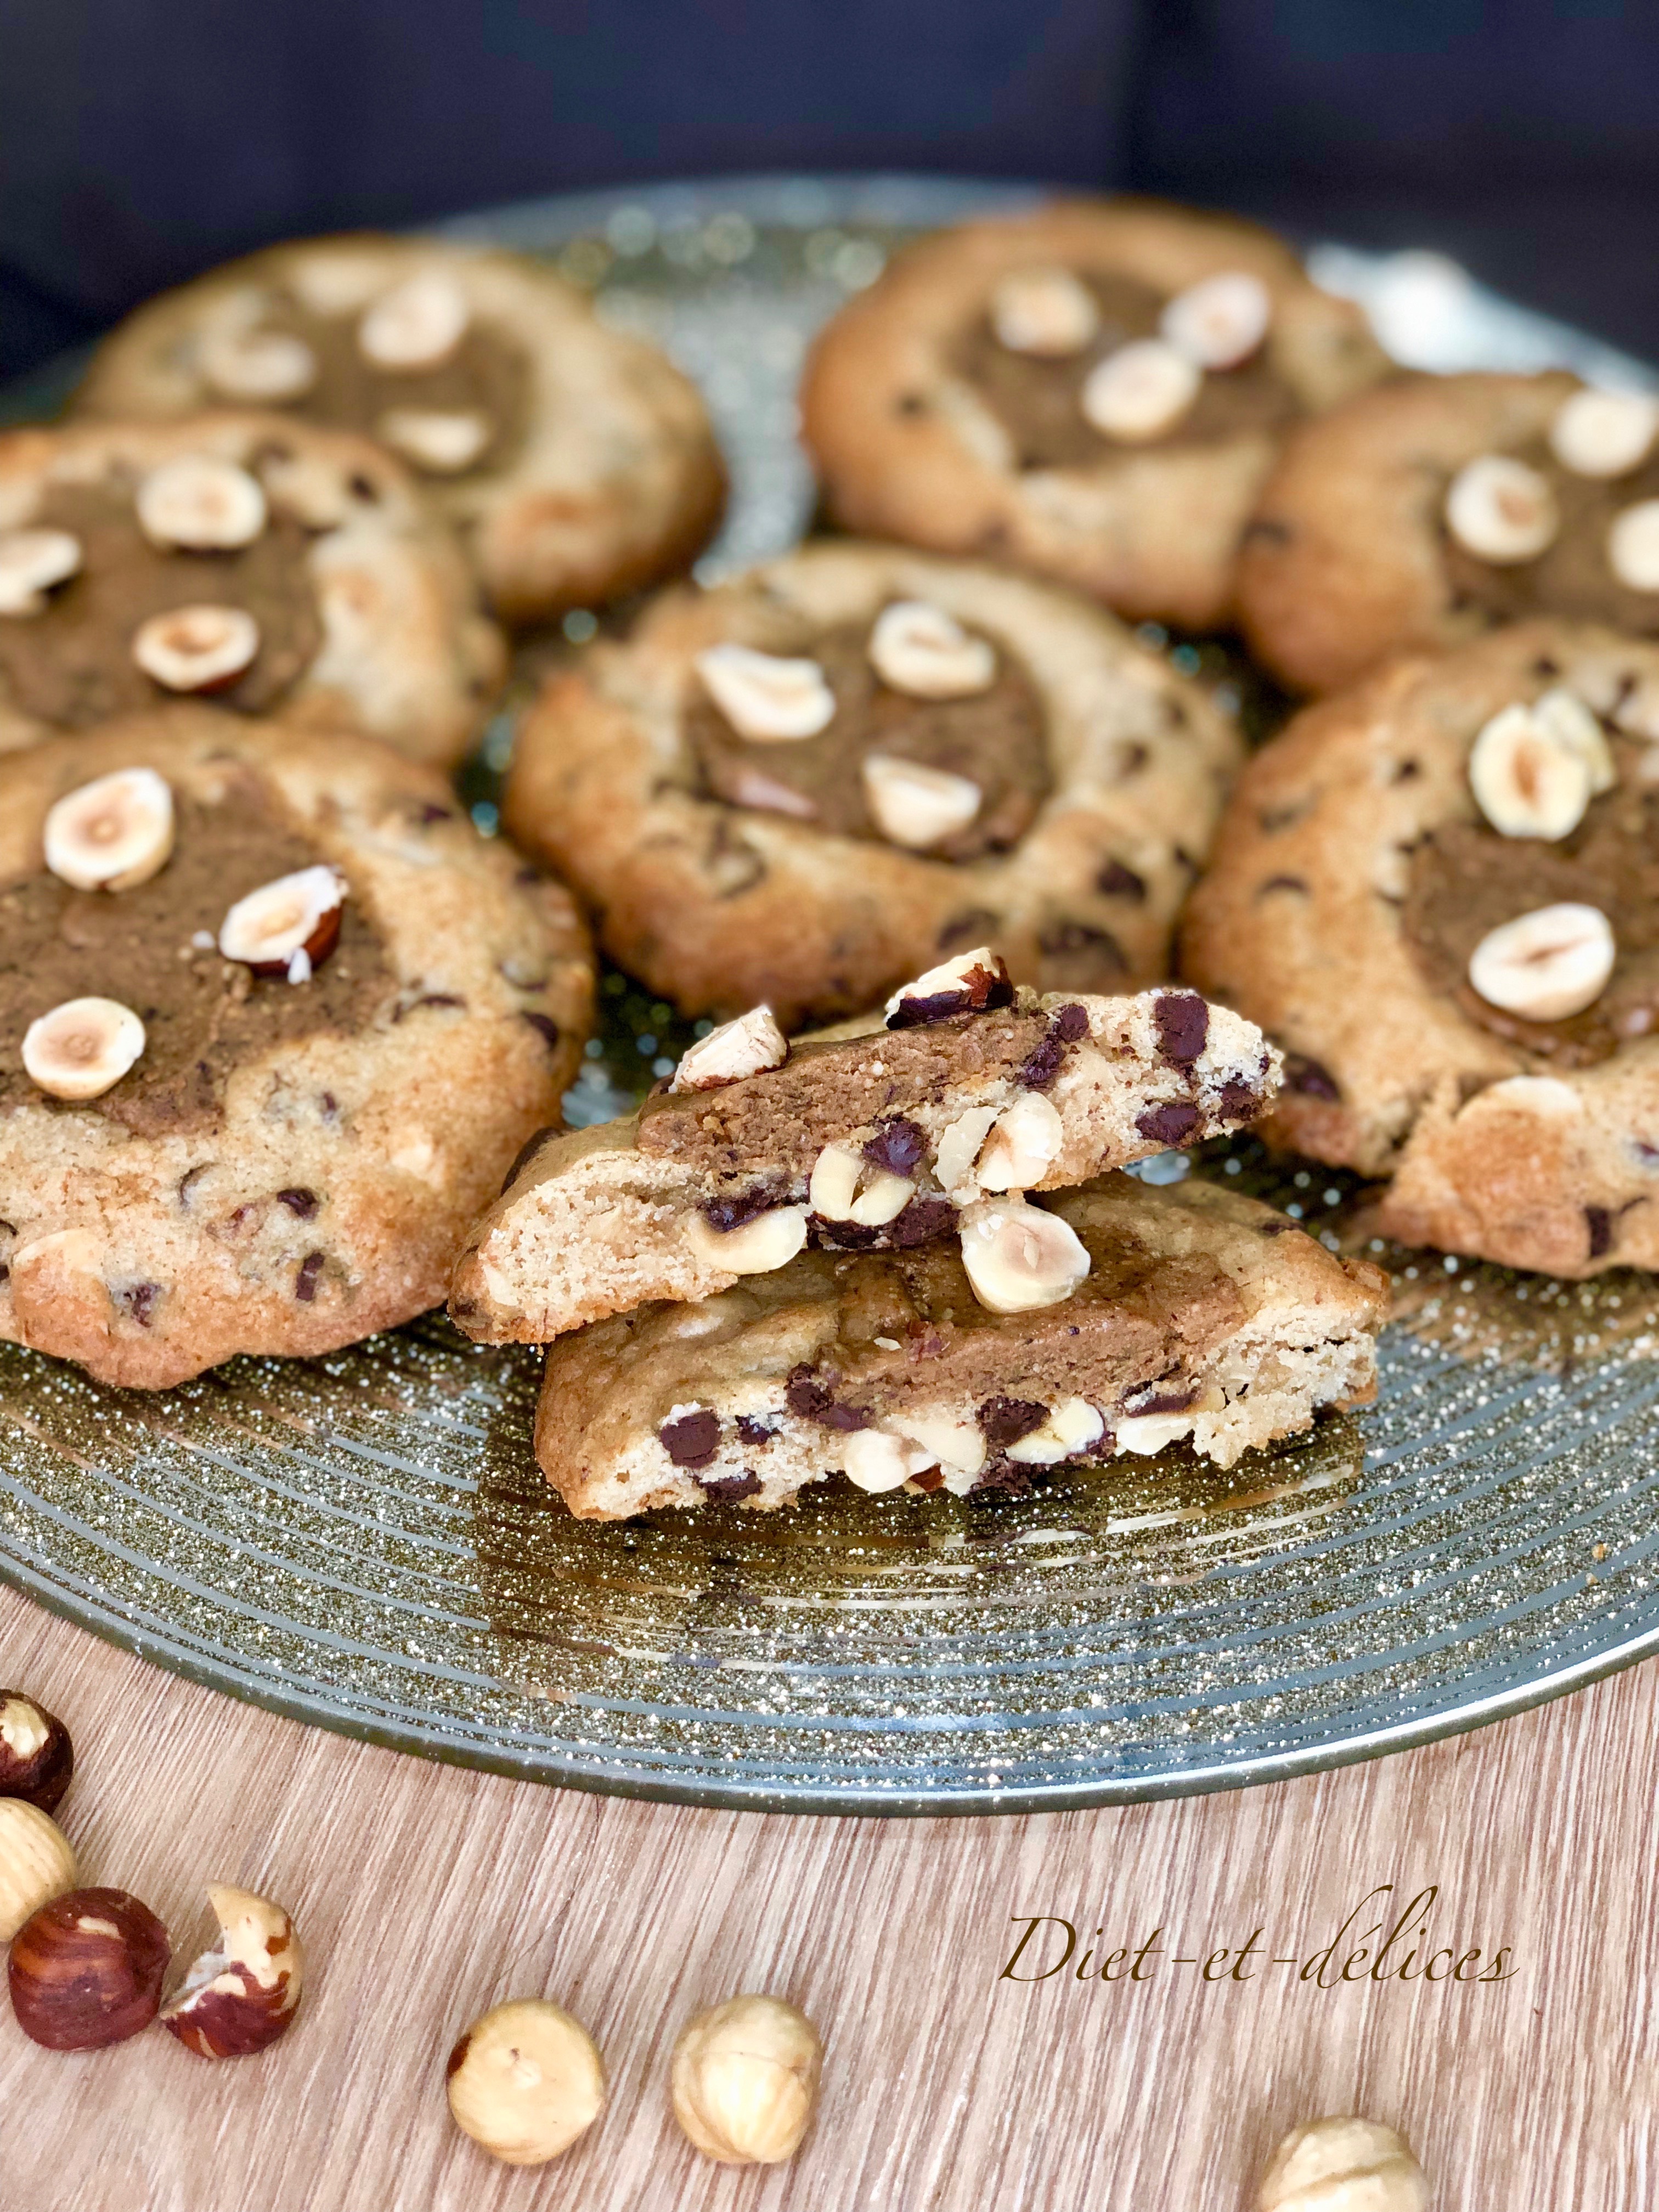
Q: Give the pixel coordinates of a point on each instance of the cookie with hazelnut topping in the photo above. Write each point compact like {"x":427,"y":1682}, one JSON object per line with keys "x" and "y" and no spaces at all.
{"x":1439,"y":892}
{"x":1094,"y":391}
{"x":891,"y":1134}
{"x":818,"y":779}
{"x":260,"y":567}
{"x":1418,"y":516}
{"x":273,"y":1022}
{"x":1184,"y":1312}
{"x":574,"y":460}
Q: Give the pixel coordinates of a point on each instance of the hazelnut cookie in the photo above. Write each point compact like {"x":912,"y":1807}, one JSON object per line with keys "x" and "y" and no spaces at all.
{"x":1203,"y":1315}
{"x":1096,"y":391}
{"x":811,"y":782}
{"x":575,"y":461}
{"x":929,"y":1126}
{"x":1439,"y":893}
{"x":257,"y":566}
{"x":273,"y":1022}
{"x":1417,"y":517}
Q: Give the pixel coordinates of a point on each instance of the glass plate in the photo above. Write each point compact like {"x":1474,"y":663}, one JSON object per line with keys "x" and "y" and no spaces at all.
{"x":363,"y":1542}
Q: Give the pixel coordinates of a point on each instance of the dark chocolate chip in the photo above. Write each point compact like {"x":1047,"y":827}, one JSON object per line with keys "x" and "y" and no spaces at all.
{"x":1161,"y":1398}
{"x":1183,"y":1025}
{"x":1175,"y":1123}
{"x":329,"y":1105}
{"x":724,"y":1489}
{"x":922,"y":1222}
{"x":910,"y":402}
{"x":813,"y":1400}
{"x":140,"y":1300}
{"x":304,"y":1283}
{"x":1074,"y":940}
{"x":447,"y":999}
{"x":1065,"y":1026}
{"x":526,"y":1153}
{"x":430,"y":813}
{"x":301,"y":1203}
{"x":1277,"y":1228}
{"x":898,"y":1145}
{"x":1309,"y":1077}
{"x":1273,"y":819}
{"x":693,"y":1439}
{"x":731,"y":1209}
{"x":1268,"y":530}
{"x":1005,"y":1420}
{"x":362,"y":488}
{"x":1283,"y":883}
{"x":1407,"y":771}
{"x":1004,"y":1478}
{"x":1544,"y":666}
{"x":1239,"y":1100}
{"x":1600,"y":1224}
{"x":1131,"y":759}
{"x":1115,"y":881}
{"x":976,"y":926}
{"x":753,"y":1431}
{"x":544,"y":1026}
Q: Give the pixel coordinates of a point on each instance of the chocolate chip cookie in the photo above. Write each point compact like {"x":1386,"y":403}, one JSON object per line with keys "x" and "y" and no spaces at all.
{"x":815,"y":781}
{"x":1419,"y":516}
{"x":1096,"y":391}
{"x":273,"y":1022}
{"x":1203,"y":1317}
{"x":1439,"y":893}
{"x":924,"y":1127}
{"x":257,"y":566}
{"x":574,"y":461}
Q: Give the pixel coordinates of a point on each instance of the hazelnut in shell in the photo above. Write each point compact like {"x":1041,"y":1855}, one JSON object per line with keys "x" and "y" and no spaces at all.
{"x":36,"y":1756}
{"x":87,"y":1970}
{"x":744,"y":2079}
{"x":36,"y":1862}
{"x":242,"y":1994}
{"x":526,"y":2081}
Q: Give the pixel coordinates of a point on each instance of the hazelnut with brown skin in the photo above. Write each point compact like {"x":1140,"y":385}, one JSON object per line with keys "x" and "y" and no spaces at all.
{"x":87,"y":1970}
{"x":744,"y":2080}
{"x":526,"y":2081}
{"x":36,"y":1756}
{"x":242,"y":1994}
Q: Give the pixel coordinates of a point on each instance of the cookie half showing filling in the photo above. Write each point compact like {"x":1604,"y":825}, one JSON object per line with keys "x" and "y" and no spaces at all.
{"x":819,"y":778}
{"x":924,"y":1131}
{"x":1439,"y":893}
{"x":1204,"y":1317}
{"x":249,"y":564}
{"x":574,"y":459}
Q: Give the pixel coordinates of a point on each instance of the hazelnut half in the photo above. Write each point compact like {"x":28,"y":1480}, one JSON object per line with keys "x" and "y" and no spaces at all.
{"x":87,"y":1970}
{"x":1139,"y":392}
{"x":917,"y":648}
{"x":747,"y":1046}
{"x":208,"y":505}
{"x":36,"y":1862}
{"x":526,"y":2082}
{"x":1221,"y":320}
{"x":288,"y":926}
{"x":113,"y":833}
{"x":915,"y":806}
{"x":970,"y":983}
{"x":36,"y":1756}
{"x":744,"y":2079}
{"x":260,"y":365}
{"x":755,"y":1247}
{"x":81,"y":1049}
{"x":1043,"y":311}
{"x":1018,"y":1257}
{"x":764,"y":696}
{"x":1633,"y":546}
{"x":877,"y":1460}
{"x":196,"y":648}
{"x":31,"y":562}
{"x":1548,"y":965}
{"x":1339,"y":2165}
{"x":1500,"y":510}
{"x":242,"y":1994}
{"x":441,"y":440}
{"x":1604,"y":433}
{"x":1528,"y":780}
{"x":416,"y":324}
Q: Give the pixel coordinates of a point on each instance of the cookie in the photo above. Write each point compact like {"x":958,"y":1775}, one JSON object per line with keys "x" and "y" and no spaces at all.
{"x":924,"y":1129}
{"x":815,"y":781}
{"x":1204,"y":1316}
{"x":260,"y":567}
{"x":1439,"y":893}
{"x":1418,"y":517}
{"x":1096,"y":391}
{"x":273,"y":1022}
{"x":575,"y":461}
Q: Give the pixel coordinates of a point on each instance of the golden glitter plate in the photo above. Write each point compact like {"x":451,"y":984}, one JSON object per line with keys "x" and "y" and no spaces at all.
{"x":363,"y":1542}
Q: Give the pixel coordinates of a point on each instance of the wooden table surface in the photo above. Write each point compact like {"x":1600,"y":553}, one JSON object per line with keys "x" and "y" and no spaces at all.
{"x":426,"y":1894}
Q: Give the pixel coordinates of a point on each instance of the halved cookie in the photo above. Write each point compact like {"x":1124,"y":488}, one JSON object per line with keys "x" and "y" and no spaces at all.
{"x":926,"y":1129}
{"x":1418,"y":516}
{"x":1096,"y":391}
{"x":274,"y":1020}
{"x":1204,"y":1316}
{"x":575,"y":461}
{"x":1439,"y":892}
{"x":815,"y":781}
{"x":260,"y":567}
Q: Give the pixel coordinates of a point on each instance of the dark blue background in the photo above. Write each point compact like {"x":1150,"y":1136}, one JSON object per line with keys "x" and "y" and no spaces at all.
{"x":141,"y":140}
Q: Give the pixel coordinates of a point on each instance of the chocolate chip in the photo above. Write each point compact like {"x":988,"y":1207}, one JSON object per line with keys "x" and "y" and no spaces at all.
{"x":922,"y":1222}
{"x":1131,"y":759}
{"x":188,"y":1180}
{"x":976,"y":926}
{"x":140,"y":1300}
{"x":1239,"y":1099}
{"x":1309,"y":1077}
{"x":304,"y":1283}
{"x":303,"y":1203}
{"x":1183,"y":1025}
{"x":544,"y":1026}
{"x":430,"y":813}
{"x":328,"y":1104}
{"x":1004,"y":1421}
{"x":447,"y":999}
{"x":1598,"y":1222}
{"x":813,"y":1400}
{"x":1157,"y":1398}
{"x":1004,"y":1478}
{"x":1283,"y":883}
{"x":693,"y":1439}
{"x":1273,"y":819}
{"x":1544,"y":666}
{"x":1407,"y":771}
{"x":526,"y":1152}
{"x":1095,"y":950}
{"x":1276,"y":1227}
{"x":910,"y":402}
{"x":1268,"y":530}
{"x":724,"y":1489}
{"x":1175,"y":1123}
{"x":1066,"y":1025}
{"x":898,"y":1145}
{"x":731,"y":1209}
{"x":1115,"y":881}
{"x":754,"y":1432}
{"x":362,"y":487}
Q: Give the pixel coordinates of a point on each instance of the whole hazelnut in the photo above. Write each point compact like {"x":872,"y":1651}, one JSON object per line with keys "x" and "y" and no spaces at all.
{"x":87,"y":1970}
{"x":36,"y":1862}
{"x":526,"y":2081}
{"x":1339,"y":2165}
{"x":241,"y":1995}
{"x":744,"y":2079}
{"x":36,"y":1756}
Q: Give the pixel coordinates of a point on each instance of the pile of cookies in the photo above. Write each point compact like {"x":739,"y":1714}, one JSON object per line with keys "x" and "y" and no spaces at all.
{"x":277,"y":1024}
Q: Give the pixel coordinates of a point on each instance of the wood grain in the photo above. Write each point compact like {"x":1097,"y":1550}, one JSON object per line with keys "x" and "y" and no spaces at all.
{"x":426,"y":1894}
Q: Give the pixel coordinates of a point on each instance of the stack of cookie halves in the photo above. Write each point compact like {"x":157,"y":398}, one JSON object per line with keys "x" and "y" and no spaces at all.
{"x":900,"y":1251}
